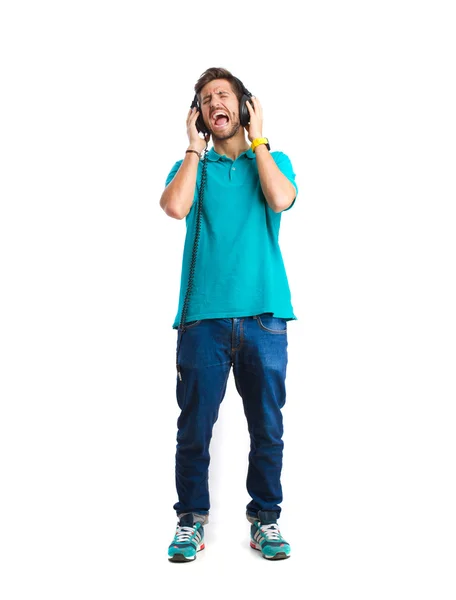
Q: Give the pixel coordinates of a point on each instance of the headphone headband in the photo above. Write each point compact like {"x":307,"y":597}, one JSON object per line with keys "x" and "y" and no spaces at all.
{"x":244,"y":89}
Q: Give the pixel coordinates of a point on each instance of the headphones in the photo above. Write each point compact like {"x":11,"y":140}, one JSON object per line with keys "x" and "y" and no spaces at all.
{"x":244,"y":115}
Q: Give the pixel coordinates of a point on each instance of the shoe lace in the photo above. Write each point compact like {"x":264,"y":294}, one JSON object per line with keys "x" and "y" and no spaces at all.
{"x":271,"y":532}
{"x":183,"y":534}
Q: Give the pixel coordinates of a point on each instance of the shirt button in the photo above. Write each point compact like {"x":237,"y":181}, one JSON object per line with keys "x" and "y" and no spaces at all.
{"x":233,"y":169}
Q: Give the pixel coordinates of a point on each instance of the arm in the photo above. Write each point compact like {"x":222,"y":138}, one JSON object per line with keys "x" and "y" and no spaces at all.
{"x":177,"y":198}
{"x":277,"y":188}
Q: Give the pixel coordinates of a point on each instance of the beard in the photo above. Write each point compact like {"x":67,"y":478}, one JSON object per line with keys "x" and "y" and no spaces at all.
{"x":229,"y":132}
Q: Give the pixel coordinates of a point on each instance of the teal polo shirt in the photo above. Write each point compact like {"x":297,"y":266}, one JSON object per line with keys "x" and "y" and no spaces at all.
{"x":239,"y":270}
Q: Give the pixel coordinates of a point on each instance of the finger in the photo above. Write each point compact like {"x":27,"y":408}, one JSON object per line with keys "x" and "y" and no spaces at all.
{"x":190,"y":114}
{"x":253,"y":104}
{"x":257,"y":103}
{"x":258,"y":112}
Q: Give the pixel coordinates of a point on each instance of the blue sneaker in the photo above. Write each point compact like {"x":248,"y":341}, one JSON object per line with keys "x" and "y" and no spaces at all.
{"x":266,"y":537}
{"x":189,"y":540}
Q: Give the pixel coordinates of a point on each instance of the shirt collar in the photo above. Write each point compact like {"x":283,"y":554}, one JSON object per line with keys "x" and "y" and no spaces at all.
{"x":212,"y":154}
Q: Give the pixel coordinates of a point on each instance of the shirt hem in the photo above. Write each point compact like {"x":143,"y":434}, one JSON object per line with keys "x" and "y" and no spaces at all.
{"x":229,"y":315}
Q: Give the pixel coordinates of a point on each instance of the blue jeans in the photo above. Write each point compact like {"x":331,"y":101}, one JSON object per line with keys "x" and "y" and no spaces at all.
{"x":256,"y":347}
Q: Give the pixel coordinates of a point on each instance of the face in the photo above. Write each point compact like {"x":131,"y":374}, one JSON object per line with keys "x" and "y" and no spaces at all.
{"x":217,"y":96}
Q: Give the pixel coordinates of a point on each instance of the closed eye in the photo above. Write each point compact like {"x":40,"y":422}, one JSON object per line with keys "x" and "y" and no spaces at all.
{"x":220,"y":94}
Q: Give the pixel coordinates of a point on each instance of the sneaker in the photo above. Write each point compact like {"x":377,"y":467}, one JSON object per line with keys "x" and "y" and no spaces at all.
{"x":266,"y":537}
{"x":189,"y":540}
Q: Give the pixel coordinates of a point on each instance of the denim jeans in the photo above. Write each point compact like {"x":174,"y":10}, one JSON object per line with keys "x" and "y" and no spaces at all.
{"x":256,"y":348}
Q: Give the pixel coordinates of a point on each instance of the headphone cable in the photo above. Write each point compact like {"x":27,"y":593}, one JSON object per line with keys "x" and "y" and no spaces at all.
{"x":182,"y":327}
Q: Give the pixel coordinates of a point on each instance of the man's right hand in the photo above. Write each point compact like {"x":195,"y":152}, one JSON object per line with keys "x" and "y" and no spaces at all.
{"x":196,"y":142}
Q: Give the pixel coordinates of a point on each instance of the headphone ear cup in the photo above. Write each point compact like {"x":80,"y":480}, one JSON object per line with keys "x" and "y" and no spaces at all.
{"x":200,"y":126}
{"x":244,"y":115}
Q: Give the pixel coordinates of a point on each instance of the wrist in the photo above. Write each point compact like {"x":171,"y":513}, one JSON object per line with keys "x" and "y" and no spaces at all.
{"x":260,"y":141}
{"x":193,"y":152}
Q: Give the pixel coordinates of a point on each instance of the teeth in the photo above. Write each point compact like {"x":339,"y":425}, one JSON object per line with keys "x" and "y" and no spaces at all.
{"x":215,"y":115}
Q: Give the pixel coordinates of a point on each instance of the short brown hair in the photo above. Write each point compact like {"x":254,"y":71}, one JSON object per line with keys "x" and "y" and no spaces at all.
{"x":218,"y":73}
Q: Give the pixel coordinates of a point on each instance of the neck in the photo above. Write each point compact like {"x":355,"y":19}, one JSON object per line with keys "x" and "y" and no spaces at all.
{"x":232,"y":147}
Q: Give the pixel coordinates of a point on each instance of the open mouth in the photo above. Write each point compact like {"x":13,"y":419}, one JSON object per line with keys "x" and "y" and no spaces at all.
{"x":219,"y":120}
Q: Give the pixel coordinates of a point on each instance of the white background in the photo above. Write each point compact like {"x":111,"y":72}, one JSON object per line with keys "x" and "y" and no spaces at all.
{"x":94,"y":101}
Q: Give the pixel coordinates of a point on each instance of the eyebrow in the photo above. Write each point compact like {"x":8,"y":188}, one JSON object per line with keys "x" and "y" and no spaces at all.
{"x":220,"y":92}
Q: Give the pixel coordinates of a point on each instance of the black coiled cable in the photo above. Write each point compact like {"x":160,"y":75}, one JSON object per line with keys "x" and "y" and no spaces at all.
{"x":182,"y":327}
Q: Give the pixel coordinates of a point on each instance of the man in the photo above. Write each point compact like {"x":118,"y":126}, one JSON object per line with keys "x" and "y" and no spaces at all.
{"x":238,"y":309}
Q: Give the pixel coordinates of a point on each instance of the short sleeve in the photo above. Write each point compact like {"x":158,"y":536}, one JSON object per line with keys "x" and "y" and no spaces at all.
{"x":285,"y":166}
{"x":173,"y":171}
{"x":172,"y":174}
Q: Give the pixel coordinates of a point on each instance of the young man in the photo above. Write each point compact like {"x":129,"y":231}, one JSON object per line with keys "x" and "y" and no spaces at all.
{"x":238,"y":308}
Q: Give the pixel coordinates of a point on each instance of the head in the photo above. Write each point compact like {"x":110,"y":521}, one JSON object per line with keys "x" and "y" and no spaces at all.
{"x":218,"y":90}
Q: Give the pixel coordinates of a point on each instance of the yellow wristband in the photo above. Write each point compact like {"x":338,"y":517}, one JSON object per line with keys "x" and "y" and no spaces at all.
{"x":258,"y":141}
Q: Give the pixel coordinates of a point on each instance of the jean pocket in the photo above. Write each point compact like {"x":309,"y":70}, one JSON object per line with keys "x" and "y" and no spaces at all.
{"x":272,"y":324}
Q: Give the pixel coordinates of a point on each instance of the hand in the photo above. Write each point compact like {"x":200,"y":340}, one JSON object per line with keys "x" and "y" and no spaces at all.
{"x":196,"y":142}
{"x":255,"y":128}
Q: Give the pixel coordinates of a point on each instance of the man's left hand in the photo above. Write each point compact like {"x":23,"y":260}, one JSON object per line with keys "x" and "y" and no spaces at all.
{"x":255,"y":127}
